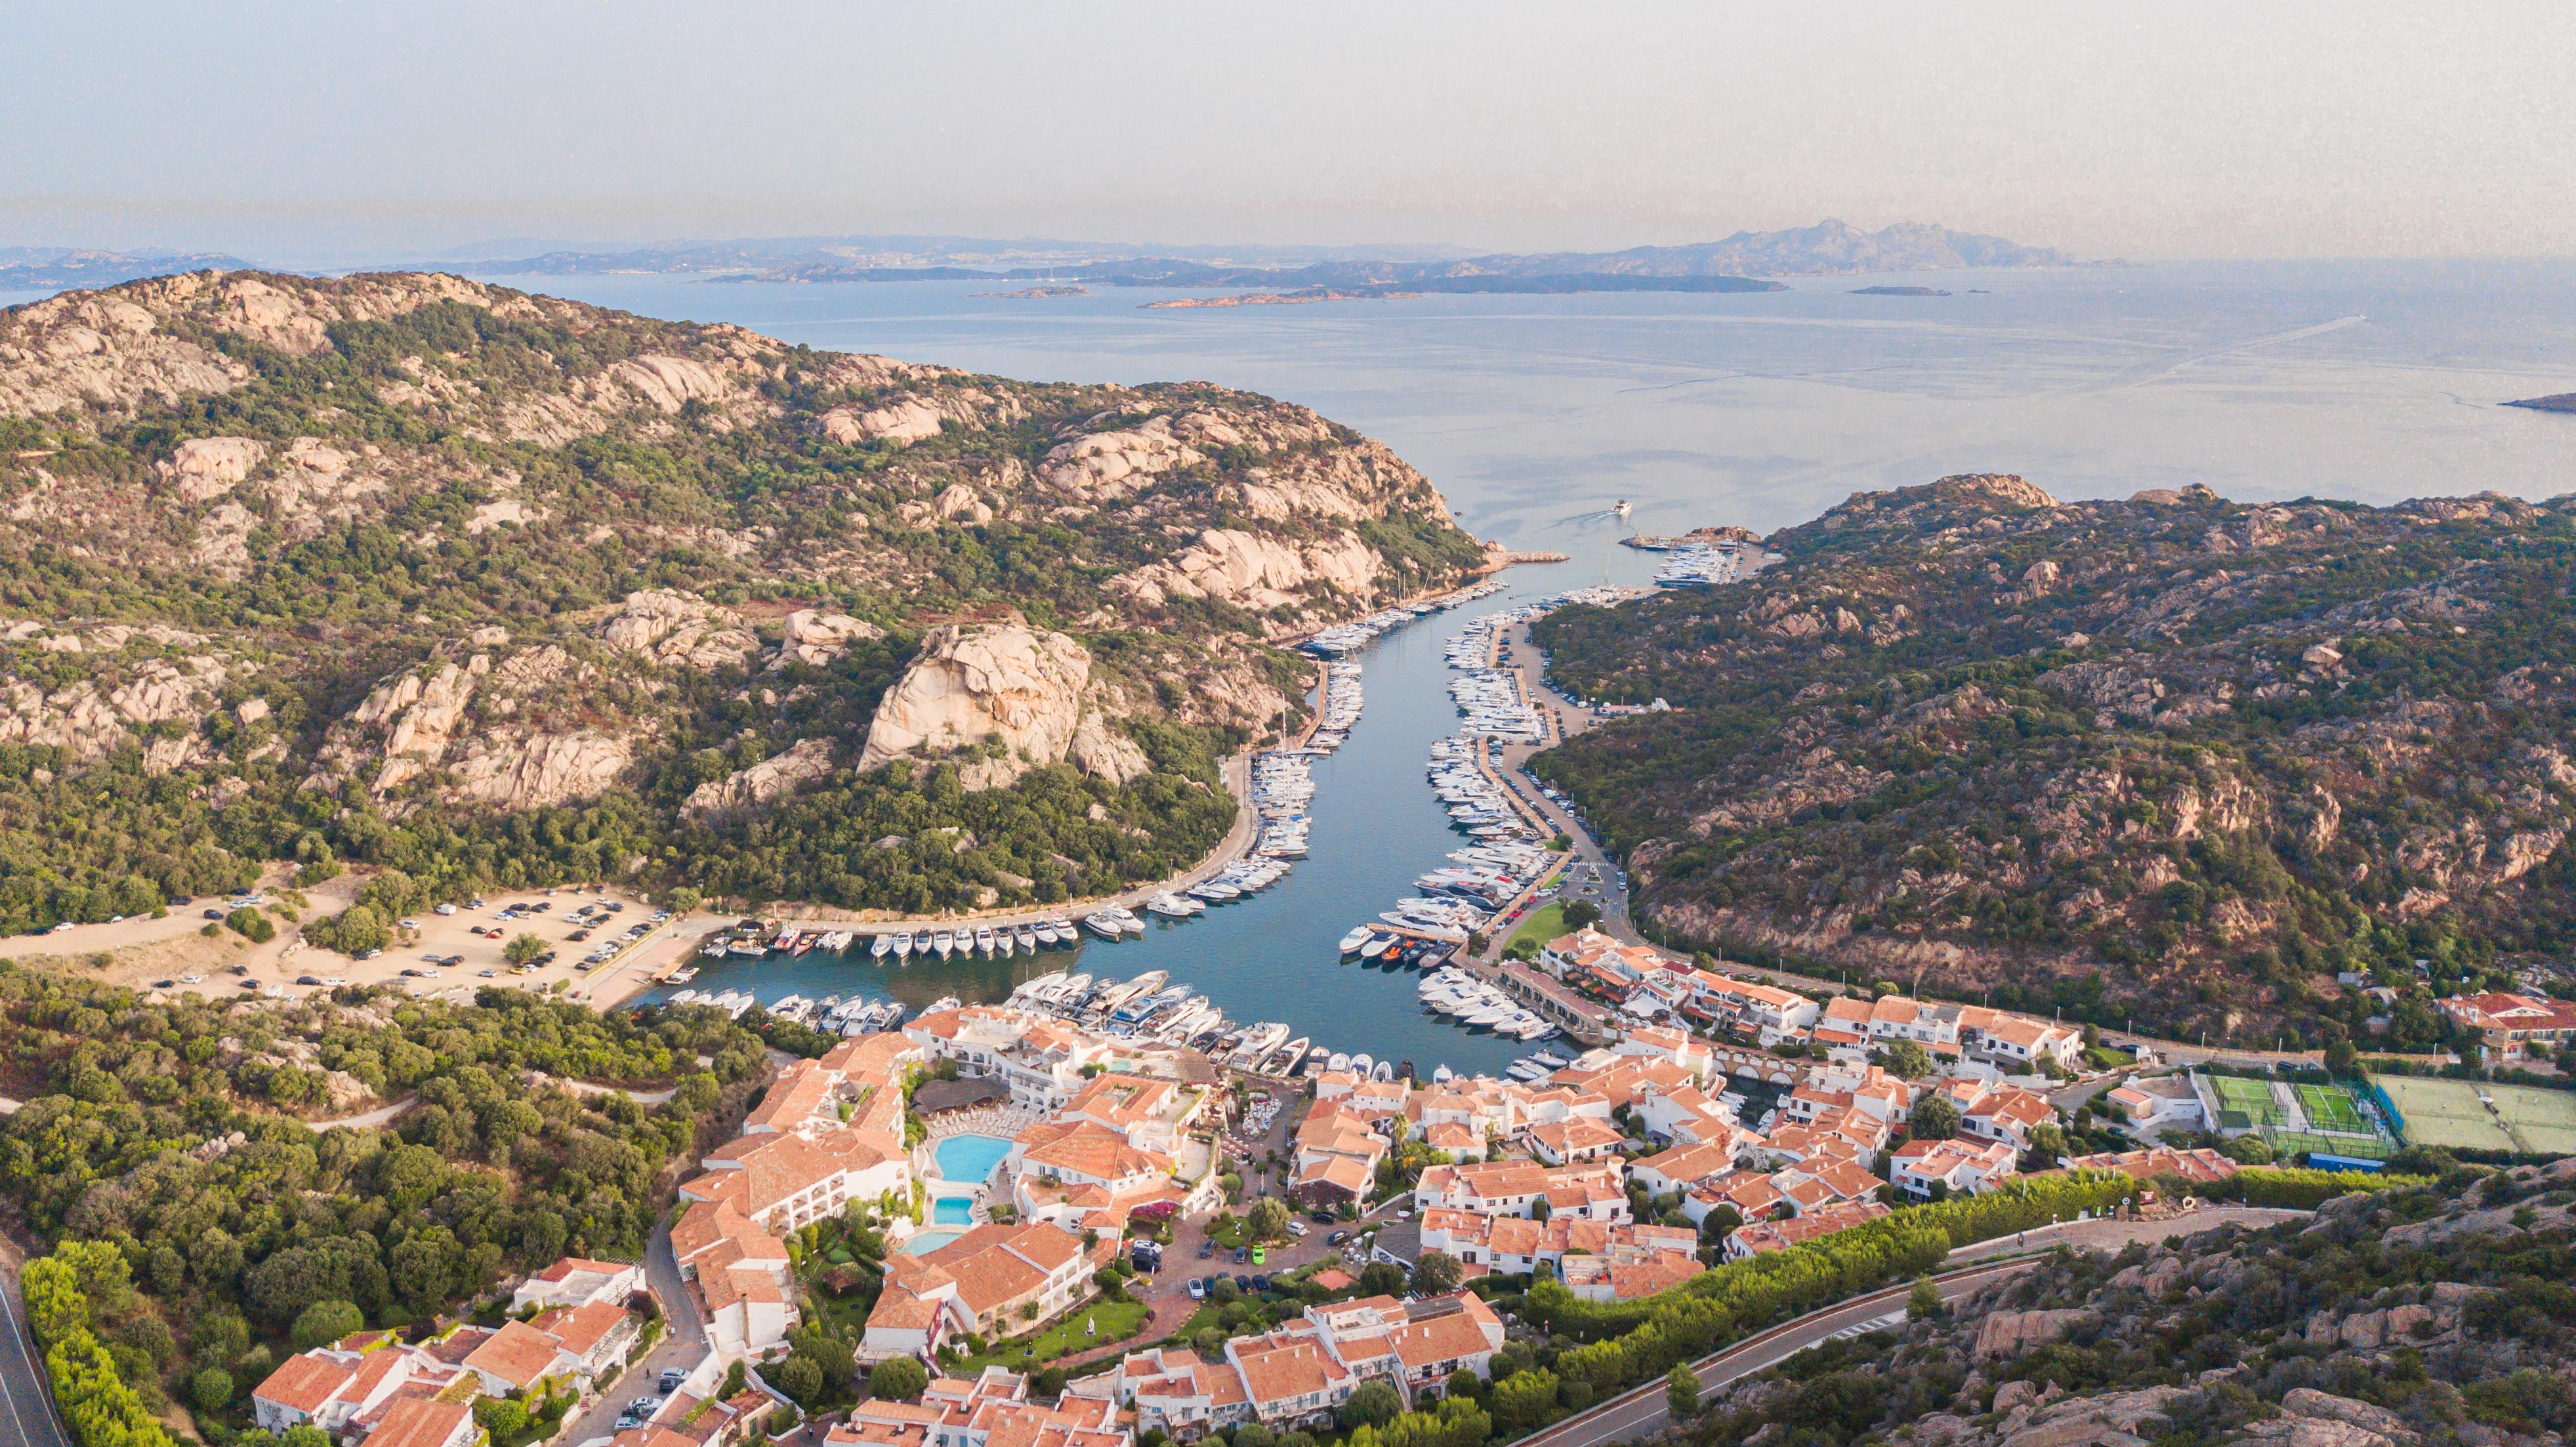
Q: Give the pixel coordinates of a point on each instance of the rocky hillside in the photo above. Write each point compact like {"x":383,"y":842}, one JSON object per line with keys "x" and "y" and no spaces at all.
{"x":2175,"y":758}
{"x":369,"y":568}
{"x":2387,"y":1321}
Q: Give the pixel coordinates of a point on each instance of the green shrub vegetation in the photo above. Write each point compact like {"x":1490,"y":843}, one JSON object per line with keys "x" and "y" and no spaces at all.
{"x":152,"y":1138}
{"x":745,"y":501}
{"x":2060,"y":739}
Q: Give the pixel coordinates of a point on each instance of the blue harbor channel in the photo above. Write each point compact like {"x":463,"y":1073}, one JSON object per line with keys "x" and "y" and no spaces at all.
{"x":1274,"y":955}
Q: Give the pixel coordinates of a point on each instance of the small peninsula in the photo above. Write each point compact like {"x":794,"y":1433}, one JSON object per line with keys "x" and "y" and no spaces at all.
{"x":2556,"y":402}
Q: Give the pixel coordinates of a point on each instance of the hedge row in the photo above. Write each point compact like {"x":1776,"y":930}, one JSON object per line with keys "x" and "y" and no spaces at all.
{"x":1735,"y":1300}
{"x":2299,"y":1190}
{"x":100,"y":1409}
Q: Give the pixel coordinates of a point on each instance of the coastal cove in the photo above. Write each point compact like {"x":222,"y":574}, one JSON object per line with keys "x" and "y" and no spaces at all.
{"x":1273,"y":955}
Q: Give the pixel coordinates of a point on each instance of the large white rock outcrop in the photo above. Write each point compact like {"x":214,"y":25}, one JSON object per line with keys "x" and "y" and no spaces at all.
{"x":1103,"y":465}
{"x":905,"y":420}
{"x":541,"y":769}
{"x":969,"y":684}
{"x":817,"y":637}
{"x":205,"y":467}
{"x":670,"y":627}
{"x":769,"y":779}
{"x":1255,"y":571}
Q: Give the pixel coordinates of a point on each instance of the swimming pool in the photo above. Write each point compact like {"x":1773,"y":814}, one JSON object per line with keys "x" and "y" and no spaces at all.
{"x":952,"y":1211}
{"x":969,"y":1159}
{"x":925,"y":1242}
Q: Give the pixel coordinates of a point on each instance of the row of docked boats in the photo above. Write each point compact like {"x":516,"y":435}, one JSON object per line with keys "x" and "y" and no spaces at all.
{"x":997,"y":941}
{"x":1338,"y":712}
{"x":1478,"y":1005}
{"x":1350,"y":637}
{"x":1150,"y":1009}
{"x":1701,"y":566}
{"x":760,"y":939}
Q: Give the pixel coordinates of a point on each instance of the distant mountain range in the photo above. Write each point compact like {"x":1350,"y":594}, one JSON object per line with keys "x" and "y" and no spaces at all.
{"x":1830,"y":248}
{"x":35,"y":268}
{"x":1738,"y":263}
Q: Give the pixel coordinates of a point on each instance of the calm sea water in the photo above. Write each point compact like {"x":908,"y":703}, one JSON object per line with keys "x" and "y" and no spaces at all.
{"x":2369,"y":381}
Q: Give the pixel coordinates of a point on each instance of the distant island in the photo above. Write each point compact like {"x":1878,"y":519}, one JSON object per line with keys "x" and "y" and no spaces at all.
{"x":1829,"y":248}
{"x":1274,"y":298}
{"x":1052,"y":268}
{"x":2561,"y":402}
{"x":1030,"y":293}
{"x":1898,"y":291}
{"x":40,"y":268}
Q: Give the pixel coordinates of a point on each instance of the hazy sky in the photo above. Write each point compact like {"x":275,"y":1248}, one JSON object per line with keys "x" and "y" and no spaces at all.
{"x":299,"y":131}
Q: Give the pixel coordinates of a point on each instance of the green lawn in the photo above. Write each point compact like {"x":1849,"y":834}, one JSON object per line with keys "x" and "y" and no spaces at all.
{"x":1116,"y":1320}
{"x":1545,"y":925}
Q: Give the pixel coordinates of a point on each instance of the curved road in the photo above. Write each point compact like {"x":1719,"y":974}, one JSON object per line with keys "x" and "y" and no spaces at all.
{"x":1641,"y":1411}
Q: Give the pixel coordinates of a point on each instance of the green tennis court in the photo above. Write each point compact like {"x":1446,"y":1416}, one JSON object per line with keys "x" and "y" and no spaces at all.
{"x":2251,"y":1099}
{"x":2331,"y":1108}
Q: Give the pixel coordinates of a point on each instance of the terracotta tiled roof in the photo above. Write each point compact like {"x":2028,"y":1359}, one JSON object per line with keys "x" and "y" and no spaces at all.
{"x":518,"y":1354}
{"x":417,"y":1422}
{"x":305,"y":1382}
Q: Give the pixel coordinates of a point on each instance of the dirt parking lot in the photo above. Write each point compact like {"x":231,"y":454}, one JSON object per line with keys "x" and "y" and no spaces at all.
{"x":145,"y":952}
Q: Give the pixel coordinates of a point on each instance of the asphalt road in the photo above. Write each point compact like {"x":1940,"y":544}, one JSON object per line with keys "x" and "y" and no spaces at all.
{"x":683,"y":1344}
{"x":1641,"y":1412}
{"x":26,"y":1406}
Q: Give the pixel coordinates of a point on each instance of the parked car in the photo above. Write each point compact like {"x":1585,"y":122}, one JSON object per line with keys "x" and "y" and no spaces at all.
{"x":1261,"y":1283}
{"x":444,"y":910}
{"x":214,"y":914}
{"x":1242,"y":1254}
{"x":1296,"y":1228}
{"x":1198,"y":1288}
{"x":1206,"y":1250}
{"x":1320,"y":1218}
{"x":308,"y":979}
{"x":1337,"y":1238}
{"x":1260,"y":1256}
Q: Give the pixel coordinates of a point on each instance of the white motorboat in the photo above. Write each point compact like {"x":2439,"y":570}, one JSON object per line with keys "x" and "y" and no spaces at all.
{"x":1352,"y":942}
{"x":1337,"y":1062}
{"x":1026,"y":938}
{"x":1361,"y":1062}
{"x":881,"y":947}
{"x":1104,"y":926}
{"x":1003,"y":943}
{"x":902,"y":947}
{"x":943,"y":943}
{"x":984,"y":940}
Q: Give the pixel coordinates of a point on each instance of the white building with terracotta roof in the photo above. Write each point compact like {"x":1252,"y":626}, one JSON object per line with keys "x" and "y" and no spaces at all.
{"x":328,"y":1387}
{"x":1290,"y":1376}
{"x":741,"y":1273}
{"x":1039,"y":1058}
{"x":1960,"y":1167}
{"x":577,"y":1281}
{"x":1176,"y":1393}
{"x":1574,"y":1139}
{"x":991,"y":1280}
{"x":1638,"y":1262}
{"x":992,"y":1410}
{"x":2008,"y":1114}
{"x":1756,"y":1237}
{"x":424,"y":1422}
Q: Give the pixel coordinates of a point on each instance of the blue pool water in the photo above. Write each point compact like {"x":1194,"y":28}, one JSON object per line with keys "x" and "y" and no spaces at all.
{"x":968,"y":1159}
{"x":926,"y":1242}
{"x":952,"y":1211}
